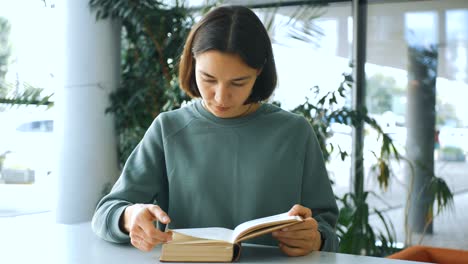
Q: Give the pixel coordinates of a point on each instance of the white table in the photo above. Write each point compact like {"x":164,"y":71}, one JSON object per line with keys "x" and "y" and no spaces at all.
{"x":78,"y":244}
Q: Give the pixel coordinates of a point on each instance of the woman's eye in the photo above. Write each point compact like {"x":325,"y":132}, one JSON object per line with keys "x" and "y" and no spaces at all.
{"x":238,"y":84}
{"x":209,"y":81}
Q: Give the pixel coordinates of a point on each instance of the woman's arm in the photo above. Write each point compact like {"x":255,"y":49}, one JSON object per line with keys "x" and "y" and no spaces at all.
{"x":317,"y":193}
{"x":143,"y":181}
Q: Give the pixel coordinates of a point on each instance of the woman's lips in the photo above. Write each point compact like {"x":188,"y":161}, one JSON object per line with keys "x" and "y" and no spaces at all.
{"x":221,"y":108}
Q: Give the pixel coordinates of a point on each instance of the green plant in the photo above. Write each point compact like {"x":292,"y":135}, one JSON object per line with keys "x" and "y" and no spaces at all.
{"x":14,"y":94}
{"x":356,"y":234}
{"x":153,"y":35}
{"x":29,"y":96}
{"x":441,"y":198}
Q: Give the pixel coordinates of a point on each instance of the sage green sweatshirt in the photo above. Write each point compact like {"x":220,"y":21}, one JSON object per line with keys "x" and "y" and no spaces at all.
{"x":206,"y":171}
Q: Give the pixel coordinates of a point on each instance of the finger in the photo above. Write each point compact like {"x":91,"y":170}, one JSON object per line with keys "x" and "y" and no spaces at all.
{"x":136,"y":233}
{"x":152,"y":234}
{"x":308,"y":223}
{"x":292,"y":251}
{"x":160,"y":215}
{"x":136,"y":240}
{"x":311,"y":242}
{"x":141,"y":240}
{"x":156,"y":239}
{"x":292,"y":242}
{"x":300,"y":234}
{"x":142,"y":244}
{"x":145,"y":246}
{"x":143,"y":227}
{"x":300,"y":210}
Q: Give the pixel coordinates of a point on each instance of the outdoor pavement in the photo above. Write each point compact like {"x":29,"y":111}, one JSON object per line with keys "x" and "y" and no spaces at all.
{"x":450,"y":228}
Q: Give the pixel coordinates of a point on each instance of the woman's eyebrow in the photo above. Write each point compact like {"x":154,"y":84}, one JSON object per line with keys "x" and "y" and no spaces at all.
{"x":242,"y":78}
{"x":206,"y":74}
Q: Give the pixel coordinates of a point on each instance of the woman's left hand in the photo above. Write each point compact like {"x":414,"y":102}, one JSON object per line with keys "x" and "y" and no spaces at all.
{"x":302,"y":238}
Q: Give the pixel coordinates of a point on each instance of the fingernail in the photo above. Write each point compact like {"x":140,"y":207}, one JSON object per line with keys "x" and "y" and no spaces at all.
{"x":284,"y":229}
{"x":165,"y":218}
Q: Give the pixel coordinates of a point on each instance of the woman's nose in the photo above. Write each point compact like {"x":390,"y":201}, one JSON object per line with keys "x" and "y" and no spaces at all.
{"x":222,"y":95}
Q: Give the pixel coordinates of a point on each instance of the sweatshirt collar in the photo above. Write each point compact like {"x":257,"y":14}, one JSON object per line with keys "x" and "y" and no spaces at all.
{"x":227,"y":121}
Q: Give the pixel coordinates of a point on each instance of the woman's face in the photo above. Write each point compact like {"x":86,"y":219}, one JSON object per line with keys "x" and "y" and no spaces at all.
{"x":225,"y":82}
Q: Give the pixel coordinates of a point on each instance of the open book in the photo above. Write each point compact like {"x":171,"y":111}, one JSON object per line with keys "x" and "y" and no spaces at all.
{"x":217,"y":244}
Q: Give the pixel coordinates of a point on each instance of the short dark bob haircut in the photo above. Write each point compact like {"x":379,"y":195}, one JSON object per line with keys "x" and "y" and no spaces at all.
{"x":235,"y":30}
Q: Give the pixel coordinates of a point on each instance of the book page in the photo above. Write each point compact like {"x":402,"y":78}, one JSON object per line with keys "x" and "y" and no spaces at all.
{"x":262,"y":223}
{"x":212,"y":233}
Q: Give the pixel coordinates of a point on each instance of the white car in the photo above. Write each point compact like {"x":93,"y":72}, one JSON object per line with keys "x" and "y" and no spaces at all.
{"x":26,"y":147}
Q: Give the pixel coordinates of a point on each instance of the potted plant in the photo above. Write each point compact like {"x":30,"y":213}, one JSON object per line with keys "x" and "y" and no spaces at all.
{"x":153,"y":34}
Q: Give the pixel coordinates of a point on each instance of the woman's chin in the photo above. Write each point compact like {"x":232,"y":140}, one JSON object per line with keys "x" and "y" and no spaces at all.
{"x":225,"y":114}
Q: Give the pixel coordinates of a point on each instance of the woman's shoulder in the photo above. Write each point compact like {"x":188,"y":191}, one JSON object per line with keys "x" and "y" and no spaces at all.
{"x":285,"y":116}
{"x":175,"y":119}
{"x":186,"y":111}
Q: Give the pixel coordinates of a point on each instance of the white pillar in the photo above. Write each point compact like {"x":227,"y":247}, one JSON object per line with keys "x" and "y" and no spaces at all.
{"x":87,"y":147}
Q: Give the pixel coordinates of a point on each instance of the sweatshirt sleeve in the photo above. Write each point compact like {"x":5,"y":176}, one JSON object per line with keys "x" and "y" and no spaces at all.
{"x":143,"y":180}
{"x":317,"y":193}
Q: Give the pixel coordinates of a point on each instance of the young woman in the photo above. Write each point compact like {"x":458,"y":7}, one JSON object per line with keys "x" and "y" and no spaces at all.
{"x":228,"y":157}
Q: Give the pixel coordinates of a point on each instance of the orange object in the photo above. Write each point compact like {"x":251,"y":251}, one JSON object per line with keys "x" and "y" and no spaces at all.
{"x":432,"y":254}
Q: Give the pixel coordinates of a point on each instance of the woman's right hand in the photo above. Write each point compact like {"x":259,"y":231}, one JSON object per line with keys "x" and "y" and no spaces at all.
{"x":137,"y":220}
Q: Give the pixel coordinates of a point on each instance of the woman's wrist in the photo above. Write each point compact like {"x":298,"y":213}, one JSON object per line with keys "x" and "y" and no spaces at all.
{"x":125,"y":219}
{"x":322,"y":240}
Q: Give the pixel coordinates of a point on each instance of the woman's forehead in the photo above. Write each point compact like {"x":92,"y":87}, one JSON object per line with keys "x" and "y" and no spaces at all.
{"x":214,"y":61}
